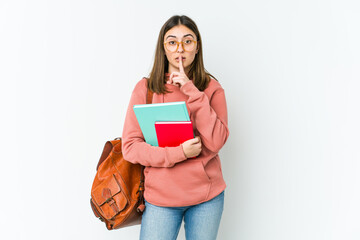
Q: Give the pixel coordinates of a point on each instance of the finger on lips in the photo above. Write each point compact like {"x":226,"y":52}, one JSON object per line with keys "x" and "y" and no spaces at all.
{"x":176,"y":76}
{"x":181,"y":67}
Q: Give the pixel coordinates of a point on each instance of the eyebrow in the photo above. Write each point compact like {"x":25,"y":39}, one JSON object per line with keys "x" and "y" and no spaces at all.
{"x":183,"y":36}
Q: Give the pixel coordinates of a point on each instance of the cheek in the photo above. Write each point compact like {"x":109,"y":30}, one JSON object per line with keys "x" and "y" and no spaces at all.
{"x":192,"y":57}
{"x":169,"y":57}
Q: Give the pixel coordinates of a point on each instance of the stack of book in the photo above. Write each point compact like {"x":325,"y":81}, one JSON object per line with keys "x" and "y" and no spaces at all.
{"x":164,"y":124}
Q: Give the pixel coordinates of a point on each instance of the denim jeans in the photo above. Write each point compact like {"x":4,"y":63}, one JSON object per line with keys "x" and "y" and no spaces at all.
{"x":201,"y":221}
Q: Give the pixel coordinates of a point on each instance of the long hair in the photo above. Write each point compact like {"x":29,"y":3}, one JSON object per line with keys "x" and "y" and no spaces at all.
{"x":197,"y":72}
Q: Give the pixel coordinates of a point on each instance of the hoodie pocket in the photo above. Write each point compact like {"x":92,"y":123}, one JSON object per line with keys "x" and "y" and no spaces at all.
{"x":185,"y":183}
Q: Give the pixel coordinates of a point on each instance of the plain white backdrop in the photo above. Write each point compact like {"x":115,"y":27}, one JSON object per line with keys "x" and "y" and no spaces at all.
{"x":291,"y":74}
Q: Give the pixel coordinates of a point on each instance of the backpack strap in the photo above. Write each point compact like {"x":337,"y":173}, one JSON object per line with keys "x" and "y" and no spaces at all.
{"x":149,"y":94}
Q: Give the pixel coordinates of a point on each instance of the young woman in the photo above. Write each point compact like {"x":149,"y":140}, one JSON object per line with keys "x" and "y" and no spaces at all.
{"x":178,"y":186}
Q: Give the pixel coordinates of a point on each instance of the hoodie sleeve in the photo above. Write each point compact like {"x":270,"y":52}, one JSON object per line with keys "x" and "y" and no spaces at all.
{"x":134,"y":147}
{"x":210,"y":116}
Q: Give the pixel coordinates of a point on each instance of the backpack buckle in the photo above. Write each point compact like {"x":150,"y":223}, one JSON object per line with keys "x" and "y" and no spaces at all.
{"x":110,"y":200}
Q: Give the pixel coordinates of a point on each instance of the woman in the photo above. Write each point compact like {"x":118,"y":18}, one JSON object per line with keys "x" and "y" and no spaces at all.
{"x":178,"y":186}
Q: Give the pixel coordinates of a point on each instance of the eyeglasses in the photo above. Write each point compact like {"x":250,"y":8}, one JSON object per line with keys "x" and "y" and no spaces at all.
{"x":188,"y":45}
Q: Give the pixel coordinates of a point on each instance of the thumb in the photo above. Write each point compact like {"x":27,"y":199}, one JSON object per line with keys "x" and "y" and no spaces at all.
{"x":196,"y":139}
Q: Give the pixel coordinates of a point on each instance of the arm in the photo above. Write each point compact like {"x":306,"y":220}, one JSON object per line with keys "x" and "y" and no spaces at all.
{"x":134,"y":147}
{"x":210,"y":116}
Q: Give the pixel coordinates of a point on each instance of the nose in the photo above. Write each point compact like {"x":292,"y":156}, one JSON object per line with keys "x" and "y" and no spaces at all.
{"x":182,"y":49}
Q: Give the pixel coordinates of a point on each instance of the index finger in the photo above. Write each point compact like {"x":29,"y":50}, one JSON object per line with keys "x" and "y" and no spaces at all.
{"x":181,"y":67}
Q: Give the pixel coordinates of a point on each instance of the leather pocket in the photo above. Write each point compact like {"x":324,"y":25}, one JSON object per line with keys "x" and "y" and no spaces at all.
{"x":109,"y":197}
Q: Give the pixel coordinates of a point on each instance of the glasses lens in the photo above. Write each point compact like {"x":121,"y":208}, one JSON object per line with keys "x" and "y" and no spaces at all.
{"x":188,"y":45}
{"x":171,"y":46}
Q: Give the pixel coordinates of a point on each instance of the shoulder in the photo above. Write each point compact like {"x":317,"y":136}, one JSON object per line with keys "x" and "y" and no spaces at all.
{"x":214,"y":86}
{"x":141,"y":84}
{"x":140,"y":90}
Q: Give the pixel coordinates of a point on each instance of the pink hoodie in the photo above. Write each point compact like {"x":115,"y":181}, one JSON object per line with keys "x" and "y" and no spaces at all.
{"x":172,"y":180}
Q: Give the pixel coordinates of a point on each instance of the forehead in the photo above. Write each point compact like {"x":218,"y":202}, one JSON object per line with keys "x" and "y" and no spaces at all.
{"x":179,"y":32}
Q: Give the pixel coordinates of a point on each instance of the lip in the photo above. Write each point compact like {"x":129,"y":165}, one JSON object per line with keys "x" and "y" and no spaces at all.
{"x":177,"y":59}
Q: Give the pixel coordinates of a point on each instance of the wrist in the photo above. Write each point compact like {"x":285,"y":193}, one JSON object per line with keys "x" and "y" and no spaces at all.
{"x":182,"y":147}
{"x":185,"y":84}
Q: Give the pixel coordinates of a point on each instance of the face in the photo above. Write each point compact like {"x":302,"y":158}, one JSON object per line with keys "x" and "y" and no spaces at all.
{"x":180,"y":33}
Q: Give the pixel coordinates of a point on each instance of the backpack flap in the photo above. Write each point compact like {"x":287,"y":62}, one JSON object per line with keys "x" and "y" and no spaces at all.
{"x":109,"y":197}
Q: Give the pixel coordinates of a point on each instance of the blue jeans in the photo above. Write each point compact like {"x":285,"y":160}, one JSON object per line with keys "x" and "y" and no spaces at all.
{"x":201,"y":221}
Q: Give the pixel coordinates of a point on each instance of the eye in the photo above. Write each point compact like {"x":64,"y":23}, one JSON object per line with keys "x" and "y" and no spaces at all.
{"x":172,"y":42}
{"x":187,"y":41}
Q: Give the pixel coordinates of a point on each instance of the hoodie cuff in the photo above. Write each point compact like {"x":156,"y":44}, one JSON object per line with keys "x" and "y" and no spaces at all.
{"x":176,"y":155}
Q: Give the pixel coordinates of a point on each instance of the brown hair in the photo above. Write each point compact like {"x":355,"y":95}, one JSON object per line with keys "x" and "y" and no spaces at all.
{"x":197,"y":72}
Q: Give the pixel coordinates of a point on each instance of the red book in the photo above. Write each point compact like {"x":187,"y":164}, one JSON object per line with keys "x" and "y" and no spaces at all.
{"x":173,"y":133}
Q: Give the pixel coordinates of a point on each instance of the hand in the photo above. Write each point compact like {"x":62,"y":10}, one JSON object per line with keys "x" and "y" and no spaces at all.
{"x":178,"y":78}
{"x":192,"y":147}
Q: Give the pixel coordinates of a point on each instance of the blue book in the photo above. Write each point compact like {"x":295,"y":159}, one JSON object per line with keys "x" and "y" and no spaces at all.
{"x":148,"y":114}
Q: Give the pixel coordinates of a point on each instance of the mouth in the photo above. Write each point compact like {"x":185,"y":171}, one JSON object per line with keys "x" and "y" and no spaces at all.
{"x":177,"y":59}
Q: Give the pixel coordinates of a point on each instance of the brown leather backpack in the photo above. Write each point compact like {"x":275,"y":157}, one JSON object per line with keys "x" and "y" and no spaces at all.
{"x":118,"y":187}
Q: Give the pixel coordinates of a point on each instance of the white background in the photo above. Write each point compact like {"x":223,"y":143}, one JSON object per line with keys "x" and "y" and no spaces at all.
{"x":290,"y":70}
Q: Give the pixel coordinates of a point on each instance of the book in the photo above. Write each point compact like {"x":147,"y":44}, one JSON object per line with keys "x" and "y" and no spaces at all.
{"x":172,"y":134}
{"x":148,"y":114}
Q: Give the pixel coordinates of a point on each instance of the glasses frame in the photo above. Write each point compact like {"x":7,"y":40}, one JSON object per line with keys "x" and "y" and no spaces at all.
{"x":178,"y":43}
